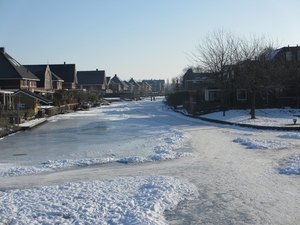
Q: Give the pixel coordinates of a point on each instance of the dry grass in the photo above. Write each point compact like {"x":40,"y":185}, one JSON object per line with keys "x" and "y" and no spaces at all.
{"x":6,"y":127}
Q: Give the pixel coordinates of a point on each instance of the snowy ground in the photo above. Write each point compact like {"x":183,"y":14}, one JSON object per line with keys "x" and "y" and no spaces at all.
{"x":142,"y":163}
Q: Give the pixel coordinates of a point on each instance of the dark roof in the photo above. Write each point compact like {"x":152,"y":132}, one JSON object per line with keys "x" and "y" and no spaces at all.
{"x":56,"y":78}
{"x":190,"y":75}
{"x":127,"y":83}
{"x":134,"y":83}
{"x":155,"y":82}
{"x":116,"y":80}
{"x":145,"y":83}
{"x":107,"y":80}
{"x":111,"y":81}
{"x":33,"y":95}
{"x":65,"y":72}
{"x":91,"y":77}
{"x":11,"y":69}
{"x":39,"y":71}
{"x":272,"y":54}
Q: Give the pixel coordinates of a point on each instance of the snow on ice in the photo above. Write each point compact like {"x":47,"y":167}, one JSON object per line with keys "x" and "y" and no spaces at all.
{"x":252,"y":143}
{"x":133,"y":200}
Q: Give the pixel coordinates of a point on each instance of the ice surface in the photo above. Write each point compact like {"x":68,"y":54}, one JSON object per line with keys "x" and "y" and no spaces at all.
{"x":134,"y":163}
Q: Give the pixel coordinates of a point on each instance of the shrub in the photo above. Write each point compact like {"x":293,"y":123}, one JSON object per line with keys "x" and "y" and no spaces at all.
{"x":177,"y":98}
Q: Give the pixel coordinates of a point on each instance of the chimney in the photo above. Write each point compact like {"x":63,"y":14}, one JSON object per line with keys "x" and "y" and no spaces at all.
{"x":2,"y":49}
{"x":96,"y":69}
{"x":64,"y":63}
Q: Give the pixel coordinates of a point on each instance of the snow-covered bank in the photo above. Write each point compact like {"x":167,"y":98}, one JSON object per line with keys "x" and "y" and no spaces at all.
{"x":135,"y":200}
{"x":264,"y":117}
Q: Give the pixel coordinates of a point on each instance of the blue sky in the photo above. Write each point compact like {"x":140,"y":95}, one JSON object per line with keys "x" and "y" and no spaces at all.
{"x":135,"y":38}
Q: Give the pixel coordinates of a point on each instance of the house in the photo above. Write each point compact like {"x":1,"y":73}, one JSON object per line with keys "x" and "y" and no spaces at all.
{"x":92,"y":80}
{"x":108,"y":84}
{"x":67,"y":73}
{"x":283,"y":65}
{"x":157,"y":86}
{"x":119,"y":86}
{"x":145,"y":88}
{"x":13,"y":75}
{"x":130,"y":87}
{"x":114,"y":87}
{"x":287,"y":54}
{"x":44,"y":74}
{"x":197,"y":81}
{"x":203,"y":83}
{"x":28,"y":100}
{"x":56,"y":82}
{"x":286,"y":60}
{"x":49,"y":81}
{"x":135,"y":85}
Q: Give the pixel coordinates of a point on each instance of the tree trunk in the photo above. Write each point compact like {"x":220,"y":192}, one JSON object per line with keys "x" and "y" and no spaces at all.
{"x":297,"y":97}
{"x":224,"y":102}
{"x":253,"y":105}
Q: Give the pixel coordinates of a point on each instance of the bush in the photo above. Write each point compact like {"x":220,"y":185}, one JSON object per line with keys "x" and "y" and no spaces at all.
{"x":29,"y":113}
{"x":177,"y":98}
{"x":4,"y":126}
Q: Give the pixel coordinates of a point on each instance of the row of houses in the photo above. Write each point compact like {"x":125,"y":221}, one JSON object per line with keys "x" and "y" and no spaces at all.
{"x":42,"y":81}
{"x":210,"y":87}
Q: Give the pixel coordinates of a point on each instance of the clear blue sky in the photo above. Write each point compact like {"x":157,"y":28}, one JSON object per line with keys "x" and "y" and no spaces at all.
{"x":135,"y":38}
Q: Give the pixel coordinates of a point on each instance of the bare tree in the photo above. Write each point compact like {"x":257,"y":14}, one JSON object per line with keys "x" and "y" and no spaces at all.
{"x":222,"y":50}
{"x":218,"y":51}
{"x":287,"y":63}
{"x":253,"y":71}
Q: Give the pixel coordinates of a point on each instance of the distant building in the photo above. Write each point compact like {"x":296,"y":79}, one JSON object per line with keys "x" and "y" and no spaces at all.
{"x":92,"y":80}
{"x":67,"y":72}
{"x":117,"y":85}
{"x":157,"y":86}
{"x":49,"y":82}
{"x":135,"y":85}
{"x":55,"y":76}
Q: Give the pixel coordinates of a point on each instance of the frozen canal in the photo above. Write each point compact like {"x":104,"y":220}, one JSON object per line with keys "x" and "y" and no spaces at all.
{"x":140,"y":163}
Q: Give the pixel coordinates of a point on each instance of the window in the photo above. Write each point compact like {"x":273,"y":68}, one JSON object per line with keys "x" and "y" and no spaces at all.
{"x":288,"y":56}
{"x":298,"y":55}
{"x":241,"y":94}
{"x":30,"y":83}
{"x":213,"y":95}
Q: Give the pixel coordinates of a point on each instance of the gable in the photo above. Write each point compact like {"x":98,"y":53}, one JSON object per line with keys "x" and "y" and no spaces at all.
{"x":56,"y":78}
{"x":66,"y":72}
{"x":38,"y":71}
{"x":33,"y":95}
{"x":133,"y":82}
{"x":116,"y":80}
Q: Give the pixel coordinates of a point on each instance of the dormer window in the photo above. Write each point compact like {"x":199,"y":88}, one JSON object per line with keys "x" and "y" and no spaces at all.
{"x":288,"y":56}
